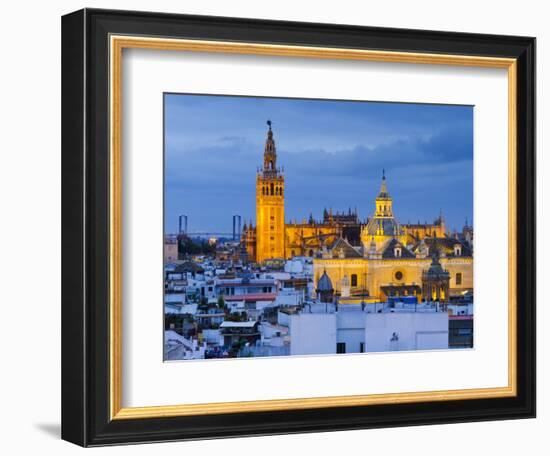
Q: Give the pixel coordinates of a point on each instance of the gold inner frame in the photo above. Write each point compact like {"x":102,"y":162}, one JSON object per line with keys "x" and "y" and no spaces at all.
{"x":117,"y":44}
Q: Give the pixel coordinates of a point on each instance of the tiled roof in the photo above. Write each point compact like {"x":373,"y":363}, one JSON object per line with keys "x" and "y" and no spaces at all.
{"x":389,"y":250}
{"x":341,"y":245}
{"x":446,"y":245}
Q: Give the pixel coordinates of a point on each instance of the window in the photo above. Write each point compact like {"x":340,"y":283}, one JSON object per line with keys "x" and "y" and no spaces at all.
{"x":398,"y":275}
{"x":397,"y":252}
{"x":272,"y":189}
{"x":341,"y":347}
{"x":458,"y":278}
{"x":354,"y":280}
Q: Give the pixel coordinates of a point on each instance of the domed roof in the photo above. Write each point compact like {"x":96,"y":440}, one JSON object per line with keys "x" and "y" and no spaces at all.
{"x":385,"y":226}
{"x":324,"y":284}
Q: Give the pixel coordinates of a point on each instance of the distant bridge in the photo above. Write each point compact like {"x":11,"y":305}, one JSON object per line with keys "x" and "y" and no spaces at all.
{"x":208,"y":233}
{"x":235,"y":234}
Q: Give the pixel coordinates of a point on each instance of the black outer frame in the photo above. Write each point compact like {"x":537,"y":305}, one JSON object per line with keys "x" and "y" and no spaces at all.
{"x":85,"y":227}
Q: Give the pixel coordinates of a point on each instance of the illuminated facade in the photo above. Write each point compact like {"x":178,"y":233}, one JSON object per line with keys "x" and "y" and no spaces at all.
{"x":365,"y":261}
{"x":391,"y":261}
{"x":270,"y":205}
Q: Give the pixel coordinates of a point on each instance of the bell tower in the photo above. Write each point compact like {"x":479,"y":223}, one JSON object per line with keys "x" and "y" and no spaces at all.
{"x":270,"y":205}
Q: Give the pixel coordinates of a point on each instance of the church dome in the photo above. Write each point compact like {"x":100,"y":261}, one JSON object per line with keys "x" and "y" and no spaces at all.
{"x":324,"y":284}
{"x":383,"y":226}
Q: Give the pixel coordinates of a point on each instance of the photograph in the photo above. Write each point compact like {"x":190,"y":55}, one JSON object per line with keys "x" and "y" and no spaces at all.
{"x":298,"y":226}
{"x":268,"y":226}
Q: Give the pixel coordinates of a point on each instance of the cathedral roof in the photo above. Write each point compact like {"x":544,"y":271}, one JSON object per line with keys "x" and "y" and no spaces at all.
{"x":342,"y":245}
{"x":389,"y":250}
{"x":446,"y":245}
{"x":324,"y":284}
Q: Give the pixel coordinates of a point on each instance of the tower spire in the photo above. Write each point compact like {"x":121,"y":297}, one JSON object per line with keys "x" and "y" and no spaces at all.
{"x":270,"y":153}
{"x":383,"y":186}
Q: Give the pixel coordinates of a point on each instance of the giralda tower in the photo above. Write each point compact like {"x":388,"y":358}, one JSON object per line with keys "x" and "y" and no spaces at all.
{"x":270,"y":205}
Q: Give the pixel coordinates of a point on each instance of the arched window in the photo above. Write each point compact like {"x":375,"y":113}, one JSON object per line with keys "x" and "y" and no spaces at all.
{"x":310,"y":252}
{"x":272,"y":189}
{"x":354,"y":280}
{"x":263,"y":190}
{"x":281,"y":191}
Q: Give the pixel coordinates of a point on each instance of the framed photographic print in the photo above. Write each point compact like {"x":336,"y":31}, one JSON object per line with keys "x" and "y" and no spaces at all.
{"x":268,"y":227}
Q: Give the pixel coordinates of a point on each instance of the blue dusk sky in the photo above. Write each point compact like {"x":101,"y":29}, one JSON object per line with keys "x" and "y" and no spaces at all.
{"x":333,"y":153}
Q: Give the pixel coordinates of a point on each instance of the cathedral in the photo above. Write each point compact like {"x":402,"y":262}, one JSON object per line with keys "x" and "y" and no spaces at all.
{"x":272,"y":237}
{"x":395,"y":260}
{"x":363,"y":260}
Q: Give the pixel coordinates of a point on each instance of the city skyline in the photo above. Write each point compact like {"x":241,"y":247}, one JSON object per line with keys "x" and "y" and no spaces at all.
{"x":329,"y":150}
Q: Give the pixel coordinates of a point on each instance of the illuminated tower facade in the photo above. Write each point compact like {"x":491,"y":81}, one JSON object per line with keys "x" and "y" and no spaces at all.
{"x":270,"y":205}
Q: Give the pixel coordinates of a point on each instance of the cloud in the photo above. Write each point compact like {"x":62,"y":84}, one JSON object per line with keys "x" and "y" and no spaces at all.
{"x":333,"y":156}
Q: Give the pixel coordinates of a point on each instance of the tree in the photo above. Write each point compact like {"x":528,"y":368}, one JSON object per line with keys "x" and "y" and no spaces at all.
{"x":221,"y":302}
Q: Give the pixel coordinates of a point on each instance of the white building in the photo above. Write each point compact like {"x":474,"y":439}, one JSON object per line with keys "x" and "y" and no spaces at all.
{"x":312,"y":333}
{"x":321,"y":329}
{"x":178,"y":347}
{"x":289,"y":297}
{"x":397,"y":331}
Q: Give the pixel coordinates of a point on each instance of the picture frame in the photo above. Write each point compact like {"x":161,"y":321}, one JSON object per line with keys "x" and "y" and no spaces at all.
{"x":92,"y":314}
